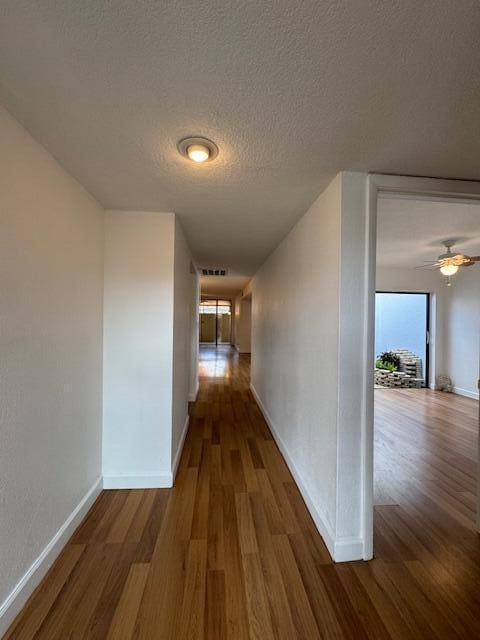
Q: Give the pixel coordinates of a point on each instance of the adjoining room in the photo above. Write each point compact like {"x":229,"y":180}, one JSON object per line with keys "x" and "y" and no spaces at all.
{"x":427,"y":347}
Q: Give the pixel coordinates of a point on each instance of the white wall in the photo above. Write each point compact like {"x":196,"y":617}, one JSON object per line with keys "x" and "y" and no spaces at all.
{"x":420,"y":280}
{"x":51,"y":289}
{"x":295,"y":318}
{"x":312,"y":351}
{"x":148,"y":364}
{"x":303,"y":299}
{"x":194,"y":340}
{"x":462,"y":331}
{"x":138,"y":348}
{"x":185,"y":339}
{"x":242,"y":323}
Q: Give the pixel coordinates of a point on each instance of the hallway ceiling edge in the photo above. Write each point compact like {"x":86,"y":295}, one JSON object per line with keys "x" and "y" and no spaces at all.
{"x":291,"y":93}
{"x":229,"y":286}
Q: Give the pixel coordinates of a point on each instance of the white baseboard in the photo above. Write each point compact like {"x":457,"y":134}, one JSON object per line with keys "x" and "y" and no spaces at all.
{"x":17,"y":599}
{"x":348,"y":549}
{"x":342,"y":550}
{"x":465,"y":392}
{"x":149,"y":482}
{"x":240,"y":350}
{"x":178,"y":455}
{"x":193,"y":396}
{"x":138,"y":482}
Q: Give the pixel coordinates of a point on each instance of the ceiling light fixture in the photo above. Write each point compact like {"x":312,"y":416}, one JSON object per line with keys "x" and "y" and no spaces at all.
{"x":198,"y":153}
{"x":449,"y":269}
{"x":198,"y":150}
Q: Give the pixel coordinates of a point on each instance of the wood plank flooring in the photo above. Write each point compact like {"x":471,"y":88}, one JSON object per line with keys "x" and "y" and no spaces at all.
{"x":231,"y":552}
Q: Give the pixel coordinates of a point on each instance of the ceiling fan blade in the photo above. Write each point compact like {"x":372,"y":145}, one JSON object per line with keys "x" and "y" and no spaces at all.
{"x":466,"y":261}
{"x":458,"y":260}
{"x":430,"y":266}
{"x":470,"y":261}
{"x":449,"y":258}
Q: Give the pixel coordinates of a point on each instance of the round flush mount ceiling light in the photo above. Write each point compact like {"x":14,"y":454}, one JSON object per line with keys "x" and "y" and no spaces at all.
{"x":198,"y":149}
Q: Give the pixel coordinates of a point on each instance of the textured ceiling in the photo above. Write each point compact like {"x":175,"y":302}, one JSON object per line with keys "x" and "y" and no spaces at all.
{"x":410,"y":232}
{"x":292,"y":92}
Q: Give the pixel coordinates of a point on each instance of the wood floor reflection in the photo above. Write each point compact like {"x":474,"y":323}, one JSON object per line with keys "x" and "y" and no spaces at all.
{"x":231,"y":551}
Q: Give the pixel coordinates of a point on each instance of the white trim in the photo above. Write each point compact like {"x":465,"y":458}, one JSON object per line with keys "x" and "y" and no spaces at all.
{"x":138,"y":482}
{"x":18,"y":597}
{"x":348,"y":549}
{"x":192,"y":397}
{"x":368,"y":356}
{"x":149,"y":482}
{"x":318,"y":518}
{"x":178,"y":455}
{"x":465,"y":392}
{"x":342,"y":550}
{"x":237,"y":348}
{"x":426,"y":188}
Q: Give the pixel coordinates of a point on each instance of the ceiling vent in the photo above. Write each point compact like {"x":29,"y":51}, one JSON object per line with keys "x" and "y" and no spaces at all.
{"x":207,"y":271}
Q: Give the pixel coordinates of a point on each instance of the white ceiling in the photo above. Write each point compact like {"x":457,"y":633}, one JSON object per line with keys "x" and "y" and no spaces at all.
{"x":292,"y":92}
{"x":222,"y":285}
{"x":410,"y":232}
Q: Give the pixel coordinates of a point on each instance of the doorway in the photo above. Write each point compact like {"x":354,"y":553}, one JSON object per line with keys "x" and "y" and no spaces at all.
{"x":379,"y":186}
{"x":215,"y":325}
{"x":402,"y":333}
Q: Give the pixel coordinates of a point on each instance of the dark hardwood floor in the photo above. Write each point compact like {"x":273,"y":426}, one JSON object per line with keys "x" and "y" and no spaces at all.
{"x":231,"y":552}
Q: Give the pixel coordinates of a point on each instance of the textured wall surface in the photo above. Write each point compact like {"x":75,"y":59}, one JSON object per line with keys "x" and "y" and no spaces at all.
{"x":242,"y":324}
{"x":295,"y":333}
{"x":292,"y":92}
{"x":138,"y":335}
{"x":462,"y":323}
{"x":51,"y":290}
{"x":185,"y":336}
{"x":308,"y":357}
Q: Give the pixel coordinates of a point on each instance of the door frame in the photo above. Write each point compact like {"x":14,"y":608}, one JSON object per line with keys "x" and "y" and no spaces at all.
{"x":428,"y":345}
{"x":205,"y":298}
{"x":378,"y":184}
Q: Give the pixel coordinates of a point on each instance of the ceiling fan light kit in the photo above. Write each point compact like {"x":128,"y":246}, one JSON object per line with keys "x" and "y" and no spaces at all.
{"x":449,"y":269}
{"x":449,"y":263}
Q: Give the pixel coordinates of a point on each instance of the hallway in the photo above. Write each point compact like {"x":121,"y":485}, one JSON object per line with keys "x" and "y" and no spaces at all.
{"x":231,"y":551}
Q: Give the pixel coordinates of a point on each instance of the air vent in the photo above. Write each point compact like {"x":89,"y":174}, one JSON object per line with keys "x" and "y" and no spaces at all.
{"x":213,"y":272}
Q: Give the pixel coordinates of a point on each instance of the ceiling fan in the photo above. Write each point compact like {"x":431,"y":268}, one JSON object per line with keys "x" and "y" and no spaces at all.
{"x":449,"y":262}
